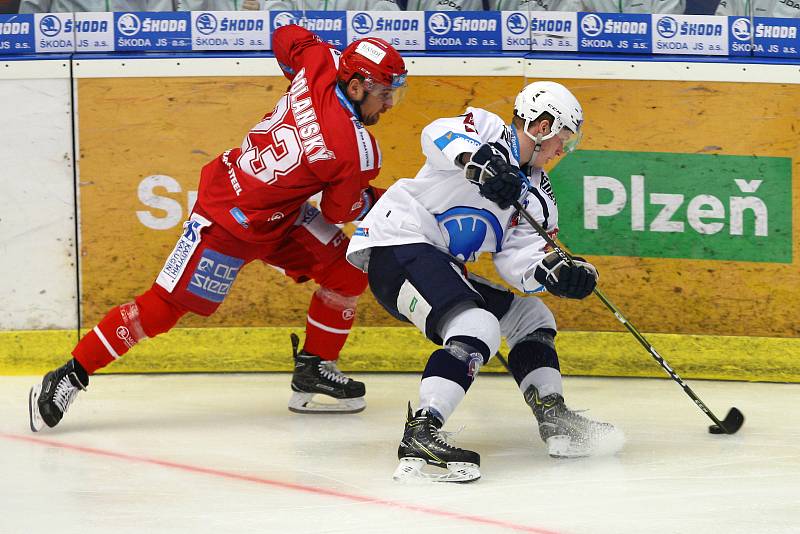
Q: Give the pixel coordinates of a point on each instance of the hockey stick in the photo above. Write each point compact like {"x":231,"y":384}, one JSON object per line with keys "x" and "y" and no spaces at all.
{"x":732,"y":422}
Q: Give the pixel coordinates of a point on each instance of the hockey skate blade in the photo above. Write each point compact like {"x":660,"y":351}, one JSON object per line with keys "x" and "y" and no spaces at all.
{"x":731,"y":424}
{"x":410,"y":470}
{"x":305,"y":403}
{"x":35,"y":417}
{"x":604,"y":445}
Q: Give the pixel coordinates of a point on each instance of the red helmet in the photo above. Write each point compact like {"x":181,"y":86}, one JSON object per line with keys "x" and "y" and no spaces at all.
{"x":375,"y":60}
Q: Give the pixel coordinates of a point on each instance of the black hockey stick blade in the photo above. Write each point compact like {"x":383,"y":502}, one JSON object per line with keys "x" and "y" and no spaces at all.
{"x":730,"y":425}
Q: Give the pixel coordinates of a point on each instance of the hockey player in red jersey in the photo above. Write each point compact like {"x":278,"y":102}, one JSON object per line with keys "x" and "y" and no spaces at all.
{"x":252,"y":205}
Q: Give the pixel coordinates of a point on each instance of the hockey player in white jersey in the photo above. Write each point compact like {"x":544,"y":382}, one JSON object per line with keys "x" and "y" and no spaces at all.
{"x":414,"y":245}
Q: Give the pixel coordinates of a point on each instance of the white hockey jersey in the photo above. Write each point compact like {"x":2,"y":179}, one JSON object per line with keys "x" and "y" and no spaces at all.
{"x":440,"y":207}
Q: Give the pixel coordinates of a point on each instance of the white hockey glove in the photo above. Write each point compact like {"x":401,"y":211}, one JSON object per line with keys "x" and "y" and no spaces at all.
{"x":562,"y":280}
{"x":496,"y":178}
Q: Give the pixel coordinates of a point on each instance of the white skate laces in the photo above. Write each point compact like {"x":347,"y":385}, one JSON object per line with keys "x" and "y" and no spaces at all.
{"x":66,"y":392}
{"x":329,"y":370}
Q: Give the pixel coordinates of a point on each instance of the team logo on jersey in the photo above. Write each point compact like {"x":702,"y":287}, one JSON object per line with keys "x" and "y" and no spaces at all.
{"x":467,"y":230}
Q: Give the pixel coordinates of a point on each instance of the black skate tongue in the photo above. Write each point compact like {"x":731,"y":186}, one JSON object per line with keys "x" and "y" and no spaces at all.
{"x":295,"y":343}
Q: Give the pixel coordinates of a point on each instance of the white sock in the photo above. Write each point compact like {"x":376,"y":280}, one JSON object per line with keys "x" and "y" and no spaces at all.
{"x":440,"y":395}
{"x":546,"y":379}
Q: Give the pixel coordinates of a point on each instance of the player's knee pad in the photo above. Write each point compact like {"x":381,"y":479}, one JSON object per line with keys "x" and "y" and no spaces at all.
{"x":458,"y":361}
{"x":532,"y":352}
{"x":526,"y":315}
{"x":335,"y":300}
{"x":156,"y":314}
{"x":344,"y":279}
{"x":472,"y":322}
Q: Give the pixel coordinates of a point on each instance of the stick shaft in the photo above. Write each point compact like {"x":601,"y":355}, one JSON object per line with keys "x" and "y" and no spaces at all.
{"x":620,"y":317}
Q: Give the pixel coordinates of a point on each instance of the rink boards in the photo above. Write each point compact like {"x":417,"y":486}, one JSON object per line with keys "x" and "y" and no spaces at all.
{"x":713,"y":280}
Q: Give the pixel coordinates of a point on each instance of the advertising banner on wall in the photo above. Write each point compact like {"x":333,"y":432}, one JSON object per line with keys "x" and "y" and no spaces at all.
{"x":230,"y":30}
{"x":669,"y":214}
{"x":435,"y":31}
{"x":17,"y":34}
{"x":540,"y":30}
{"x":764,"y":37}
{"x":690,"y":206}
{"x":152,"y":31}
{"x":614,"y":33}
{"x":690,"y":34}
{"x":331,"y":26}
{"x":477,"y":31}
{"x":405,"y":30}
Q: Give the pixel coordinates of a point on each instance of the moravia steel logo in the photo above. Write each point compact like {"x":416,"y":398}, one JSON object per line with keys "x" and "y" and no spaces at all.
{"x":517,"y":23}
{"x":662,"y":205}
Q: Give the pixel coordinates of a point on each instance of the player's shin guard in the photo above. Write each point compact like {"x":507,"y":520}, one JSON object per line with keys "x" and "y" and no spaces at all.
{"x":330,"y":317}
{"x":125,"y":326}
{"x":447,"y":377}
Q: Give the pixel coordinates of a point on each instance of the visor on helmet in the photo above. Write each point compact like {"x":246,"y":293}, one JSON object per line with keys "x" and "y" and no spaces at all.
{"x":387,"y":93}
{"x":570,"y":139}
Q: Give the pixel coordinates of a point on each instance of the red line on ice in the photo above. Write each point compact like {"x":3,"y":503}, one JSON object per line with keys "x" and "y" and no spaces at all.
{"x":277,"y":483}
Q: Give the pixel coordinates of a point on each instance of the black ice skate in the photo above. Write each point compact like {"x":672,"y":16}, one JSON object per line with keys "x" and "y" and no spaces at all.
{"x":315,"y":376}
{"x":567,"y":433}
{"x":49,"y":401}
{"x":424,"y":443}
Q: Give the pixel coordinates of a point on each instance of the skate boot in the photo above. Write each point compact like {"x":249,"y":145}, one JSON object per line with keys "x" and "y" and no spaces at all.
{"x":49,"y":401}
{"x":567,"y":433}
{"x":424,"y":443}
{"x":315,"y":376}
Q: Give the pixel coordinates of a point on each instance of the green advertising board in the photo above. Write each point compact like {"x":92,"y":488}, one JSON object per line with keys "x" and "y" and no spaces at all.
{"x":667,"y":205}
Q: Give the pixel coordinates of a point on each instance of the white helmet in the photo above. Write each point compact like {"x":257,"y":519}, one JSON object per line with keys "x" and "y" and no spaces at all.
{"x":558,"y":101}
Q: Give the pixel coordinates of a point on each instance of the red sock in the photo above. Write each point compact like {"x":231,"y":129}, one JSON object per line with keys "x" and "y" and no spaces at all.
{"x":330,"y":316}
{"x":123,"y":327}
{"x":116,"y":333}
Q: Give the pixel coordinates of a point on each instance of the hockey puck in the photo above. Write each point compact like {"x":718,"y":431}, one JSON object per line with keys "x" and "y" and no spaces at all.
{"x":716,"y":429}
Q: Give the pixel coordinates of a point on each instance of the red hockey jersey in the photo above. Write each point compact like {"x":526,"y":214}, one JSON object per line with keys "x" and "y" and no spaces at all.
{"x":311,"y":142}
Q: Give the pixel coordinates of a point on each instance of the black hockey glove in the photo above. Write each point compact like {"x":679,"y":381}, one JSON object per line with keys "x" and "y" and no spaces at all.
{"x":496,"y":178}
{"x":570,"y":281}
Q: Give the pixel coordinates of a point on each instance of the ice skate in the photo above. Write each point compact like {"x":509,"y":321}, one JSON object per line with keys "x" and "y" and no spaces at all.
{"x":49,"y":401}
{"x":567,"y":433}
{"x":315,"y":377}
{"x":424,"y":443}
